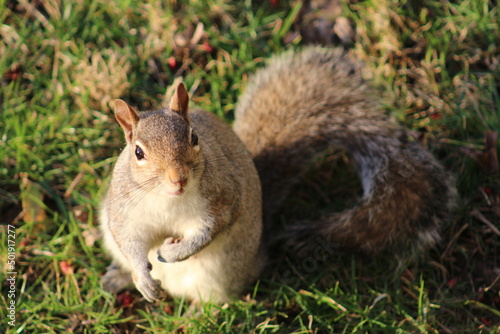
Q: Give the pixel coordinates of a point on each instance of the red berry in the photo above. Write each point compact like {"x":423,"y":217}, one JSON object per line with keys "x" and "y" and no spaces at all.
{"x":172,"y":63}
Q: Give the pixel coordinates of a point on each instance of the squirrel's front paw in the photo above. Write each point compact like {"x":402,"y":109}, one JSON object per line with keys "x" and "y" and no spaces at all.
{"x":171,"y":250}
{"x":148,"y":287}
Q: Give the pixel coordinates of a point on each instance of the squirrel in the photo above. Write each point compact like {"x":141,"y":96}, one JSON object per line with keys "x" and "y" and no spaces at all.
{"x":185,"y":198}
{"x":189,"y":198}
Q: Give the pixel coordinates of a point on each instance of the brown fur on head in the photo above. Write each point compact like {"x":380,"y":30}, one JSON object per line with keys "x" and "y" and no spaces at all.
{"x":164,"y":150}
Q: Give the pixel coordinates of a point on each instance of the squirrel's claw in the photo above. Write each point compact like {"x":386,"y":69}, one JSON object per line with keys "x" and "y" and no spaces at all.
{"x":160,"y":258}
{"x":149,"y":288}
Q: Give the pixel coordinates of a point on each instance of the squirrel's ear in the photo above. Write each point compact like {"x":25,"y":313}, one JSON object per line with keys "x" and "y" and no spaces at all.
{"x":127,"y":117}
{"x":180,"y":101}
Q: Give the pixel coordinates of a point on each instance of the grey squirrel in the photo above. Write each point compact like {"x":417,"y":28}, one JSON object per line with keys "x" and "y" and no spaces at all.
{"x":184,"y":208}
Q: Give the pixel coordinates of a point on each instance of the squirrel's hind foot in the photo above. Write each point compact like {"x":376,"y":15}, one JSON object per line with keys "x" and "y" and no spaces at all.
{"x":115,"y":279}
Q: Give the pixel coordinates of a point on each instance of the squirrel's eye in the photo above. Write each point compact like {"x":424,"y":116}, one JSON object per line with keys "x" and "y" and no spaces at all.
{"x":194,"y":139}
{"x":139,"y":153}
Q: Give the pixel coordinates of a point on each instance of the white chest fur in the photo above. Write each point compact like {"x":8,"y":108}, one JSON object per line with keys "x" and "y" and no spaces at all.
{"x":157,"y":216}
{"x":201,"y":275}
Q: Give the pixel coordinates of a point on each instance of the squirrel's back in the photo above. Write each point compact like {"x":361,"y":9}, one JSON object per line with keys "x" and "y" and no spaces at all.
{"x":304,"y":102}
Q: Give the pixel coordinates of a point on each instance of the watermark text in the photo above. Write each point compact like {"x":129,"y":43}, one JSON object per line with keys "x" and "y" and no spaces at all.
{"x":11,"y":275}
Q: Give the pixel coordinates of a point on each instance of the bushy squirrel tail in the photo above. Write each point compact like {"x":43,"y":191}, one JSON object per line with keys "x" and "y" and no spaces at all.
{"x":304,"y":102}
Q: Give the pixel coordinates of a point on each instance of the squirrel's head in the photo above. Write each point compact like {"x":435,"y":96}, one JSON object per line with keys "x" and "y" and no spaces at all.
{"x":165,"y":154}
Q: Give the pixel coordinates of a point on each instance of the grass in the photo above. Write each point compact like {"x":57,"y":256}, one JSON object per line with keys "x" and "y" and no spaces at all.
{"x":63,"y":62}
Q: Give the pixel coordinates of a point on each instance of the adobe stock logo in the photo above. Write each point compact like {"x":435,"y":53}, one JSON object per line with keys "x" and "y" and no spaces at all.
{"x":11,"y":274}
{"x":310,"y":264}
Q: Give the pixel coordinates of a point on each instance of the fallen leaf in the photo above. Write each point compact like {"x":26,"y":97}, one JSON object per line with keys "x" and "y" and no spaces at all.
{"x":344,"y":30}
{"x":66,"y":268}
{"x":207,"y":47}
{"x":125,"y":299}
{"x":90,"y":235}
{"x":32,"y":202}
{"x":169,"y":309}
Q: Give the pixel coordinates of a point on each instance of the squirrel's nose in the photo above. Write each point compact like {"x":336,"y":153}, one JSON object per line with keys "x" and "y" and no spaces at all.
{"x":177,"y":178}
{"x":180,"y":182}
